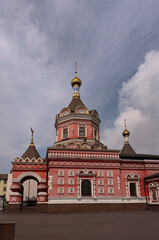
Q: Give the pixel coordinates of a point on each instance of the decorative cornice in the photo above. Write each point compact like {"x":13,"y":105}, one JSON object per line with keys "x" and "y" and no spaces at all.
{"x":28,"y":160}
{"x":28,"y":166}
{"x":84,"y":164}
{"x":78,"y":116}
{"x":85,"y":155}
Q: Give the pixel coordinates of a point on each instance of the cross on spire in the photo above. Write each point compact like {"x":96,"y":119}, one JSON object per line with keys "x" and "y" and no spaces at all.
{"x":75,"y":69}
{"x":32,"y":141}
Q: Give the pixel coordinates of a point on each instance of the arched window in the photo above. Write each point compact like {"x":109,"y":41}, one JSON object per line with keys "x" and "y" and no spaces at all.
{"x":154,"y":194}
{"x":82,"y":132}
{"x":65,"y":133}
{"x":86,"y":188}
{"x":133,"y":189}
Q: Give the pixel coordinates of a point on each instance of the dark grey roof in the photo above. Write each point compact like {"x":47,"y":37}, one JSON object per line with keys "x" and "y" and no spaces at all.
{"x":152,"y":176}
{"x":74,"y":103}
{"x":30,"y":153}
{"x":127,"y":150}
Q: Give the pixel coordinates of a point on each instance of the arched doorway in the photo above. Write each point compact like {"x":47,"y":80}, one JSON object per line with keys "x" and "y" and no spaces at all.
{"x":86,"y":188}
{"x":29,"y":191}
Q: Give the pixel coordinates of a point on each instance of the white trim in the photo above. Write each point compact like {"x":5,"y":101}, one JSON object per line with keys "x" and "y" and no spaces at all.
{"x":101,"y":190}
{"x":71,"y":190}
{"x":28,"y":174}
{"x":61,"y":174}
{"x":110,"y":182}
{"x":137,"y":190}
{"x":100,"y":182}
{"x":71,"y":173}
{"x":100,"y":173}
{"x":91,"y":180}
{"x":110,"y":174}
{"x":101,"y":199}
{"x":71,"y":181}
{"x":60,"y":181}
{"x":60,"y":190}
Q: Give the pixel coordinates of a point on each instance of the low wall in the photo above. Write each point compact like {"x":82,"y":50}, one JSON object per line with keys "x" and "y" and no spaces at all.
{"x":95,"y":207}
{"x":16,"y":208}
{"x":153,"y":207}
{"x":78,"y":208}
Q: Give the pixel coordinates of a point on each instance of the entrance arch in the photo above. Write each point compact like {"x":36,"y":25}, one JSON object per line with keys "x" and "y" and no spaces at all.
{"x":86,"y":188}
{"x":29,"y":193}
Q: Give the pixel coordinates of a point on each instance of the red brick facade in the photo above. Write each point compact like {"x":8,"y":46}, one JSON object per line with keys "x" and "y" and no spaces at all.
{"x":79,"y":169}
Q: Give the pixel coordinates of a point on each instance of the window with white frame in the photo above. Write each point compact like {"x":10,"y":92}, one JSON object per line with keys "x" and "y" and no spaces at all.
{"x":71,"y":190}
{"x":71,"y":173}
{"x":110,"y":182}
{"x":109,"y":174}
{"x":154,"y":194}
{"x":100,"y":173}
{"x":82,"y":131}
{"x":100,"y":182}
{"x":132,"y":183}
{"x":132,"y":189}
{"x":61,"y":173}
{"x":153,"y":191}
{"x":110,"y":190}
{"x":71,"y":181}
{"x":95,"y":134}
{"x":61,"y":190}
{"x":60,"y":181}
{"x":65,"y":133}
{"x":100,"y":190}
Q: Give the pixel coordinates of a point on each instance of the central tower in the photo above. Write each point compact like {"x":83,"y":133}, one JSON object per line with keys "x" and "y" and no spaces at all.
{"x":76,"y":126}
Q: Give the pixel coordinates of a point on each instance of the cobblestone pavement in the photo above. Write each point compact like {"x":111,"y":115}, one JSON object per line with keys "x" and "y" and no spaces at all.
{"x":86,"y":226}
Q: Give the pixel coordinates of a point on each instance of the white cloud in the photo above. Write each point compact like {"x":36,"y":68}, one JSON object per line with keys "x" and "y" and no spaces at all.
{"x":139,"y":104}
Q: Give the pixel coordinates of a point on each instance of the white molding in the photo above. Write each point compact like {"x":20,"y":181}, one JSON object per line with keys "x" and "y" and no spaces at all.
{"x":28,"y":174}
{"x":82,"y":200}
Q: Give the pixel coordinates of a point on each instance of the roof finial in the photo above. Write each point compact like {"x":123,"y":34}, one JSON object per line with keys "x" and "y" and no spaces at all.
{"x":126,"y":133}
{"x":76,"y":83}
{"x":32,"y":141}
{"x":75,"y":69}
{"x":125,"y":122}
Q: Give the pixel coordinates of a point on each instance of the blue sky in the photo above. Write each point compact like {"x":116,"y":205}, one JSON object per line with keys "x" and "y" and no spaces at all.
{"x":116,"y":45}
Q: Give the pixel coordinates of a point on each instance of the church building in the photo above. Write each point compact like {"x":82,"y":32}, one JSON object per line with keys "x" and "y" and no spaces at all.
{"x":79,"y":173}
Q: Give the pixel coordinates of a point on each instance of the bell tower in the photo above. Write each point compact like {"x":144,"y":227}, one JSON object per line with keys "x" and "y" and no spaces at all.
{"x":76,"y":126}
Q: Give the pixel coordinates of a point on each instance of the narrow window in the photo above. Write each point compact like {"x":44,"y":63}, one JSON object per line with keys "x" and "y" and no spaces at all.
{"x":95,"y":134}
{"x":82,"y":132}
{"x":65,"y":133}
{"x":133,"y":189}
{"x":154,"y":194}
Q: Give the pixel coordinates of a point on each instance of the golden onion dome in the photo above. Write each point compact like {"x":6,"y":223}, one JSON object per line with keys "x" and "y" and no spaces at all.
{"x":76,"y":81}
{"x":126,"y":132}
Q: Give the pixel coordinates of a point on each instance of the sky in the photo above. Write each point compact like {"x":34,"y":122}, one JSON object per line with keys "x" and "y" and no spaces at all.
{"x":116,"y":46}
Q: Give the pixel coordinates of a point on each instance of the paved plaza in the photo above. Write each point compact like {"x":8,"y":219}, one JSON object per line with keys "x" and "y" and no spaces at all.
{"x":86,"y":226}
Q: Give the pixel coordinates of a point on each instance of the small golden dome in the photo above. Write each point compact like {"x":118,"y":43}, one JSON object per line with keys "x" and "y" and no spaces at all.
{"x":126,"y":132}
{"x":76,"y":81}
